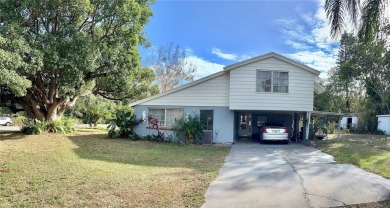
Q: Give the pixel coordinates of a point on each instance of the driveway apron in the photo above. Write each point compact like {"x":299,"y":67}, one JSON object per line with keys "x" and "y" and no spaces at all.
{"x":294,"y":175}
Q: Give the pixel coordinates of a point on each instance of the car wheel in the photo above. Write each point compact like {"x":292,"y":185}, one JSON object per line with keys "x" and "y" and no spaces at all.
{"x":286,"y":142}
{"x":7,"y":124}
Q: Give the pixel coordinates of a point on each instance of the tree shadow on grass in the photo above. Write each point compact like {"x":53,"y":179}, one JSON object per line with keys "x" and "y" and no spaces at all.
{"x":99,"y":147}
{"x":11,"y":135}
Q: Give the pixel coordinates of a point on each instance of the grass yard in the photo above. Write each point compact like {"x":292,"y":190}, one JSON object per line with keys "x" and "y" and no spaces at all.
{"x":370,"y":152}
{"x":85,"y":169}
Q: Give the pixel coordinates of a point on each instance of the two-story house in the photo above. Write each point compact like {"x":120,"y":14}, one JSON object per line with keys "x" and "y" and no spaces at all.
{"x":235,"y":102}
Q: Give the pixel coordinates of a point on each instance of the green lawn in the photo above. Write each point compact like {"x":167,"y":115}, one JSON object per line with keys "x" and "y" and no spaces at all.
{"x":85,"y":169}
{"x":370,"y":152}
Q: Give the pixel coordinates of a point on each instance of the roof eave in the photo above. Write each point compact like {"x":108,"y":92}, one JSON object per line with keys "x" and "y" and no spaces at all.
{"x":269,"y":55}
{"x":324,"y":113}
{"x":217,"y":74}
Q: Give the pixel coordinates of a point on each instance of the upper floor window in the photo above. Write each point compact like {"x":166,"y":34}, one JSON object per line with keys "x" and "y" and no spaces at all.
{"x":272,"y":81}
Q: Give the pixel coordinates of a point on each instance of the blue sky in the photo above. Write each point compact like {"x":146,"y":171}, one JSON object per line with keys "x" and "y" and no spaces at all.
{"x":220,"y":33}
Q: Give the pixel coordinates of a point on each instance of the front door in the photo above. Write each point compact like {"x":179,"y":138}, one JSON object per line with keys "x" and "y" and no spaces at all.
{"x":245,"y":125}
{"x":206,"y":118}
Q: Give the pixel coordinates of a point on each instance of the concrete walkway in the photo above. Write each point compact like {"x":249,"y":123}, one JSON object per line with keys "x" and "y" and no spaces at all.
{"x":294,"y":175}
{"x":9,"y":129}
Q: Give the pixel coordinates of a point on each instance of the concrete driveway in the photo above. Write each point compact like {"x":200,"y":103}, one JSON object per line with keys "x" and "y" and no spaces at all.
{"x":294,"y":175}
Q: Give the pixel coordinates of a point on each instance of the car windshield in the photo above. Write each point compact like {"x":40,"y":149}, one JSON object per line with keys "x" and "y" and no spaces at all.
{"x":273,"y":125}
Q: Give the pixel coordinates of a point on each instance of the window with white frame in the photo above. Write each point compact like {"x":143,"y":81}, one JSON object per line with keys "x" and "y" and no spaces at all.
{"x":166,"y":117}
{"x":272,"y":81}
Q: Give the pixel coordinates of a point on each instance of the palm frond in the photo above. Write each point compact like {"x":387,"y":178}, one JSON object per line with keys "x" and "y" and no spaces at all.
{"x":353,"y":6}
{"x":337,"y":9}
{"x":334,"y":11}
{"x":372,"y":16}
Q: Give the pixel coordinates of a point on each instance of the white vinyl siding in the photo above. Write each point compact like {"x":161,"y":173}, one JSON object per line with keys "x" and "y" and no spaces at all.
{"x":166,"y":117}
{"x":243,"y":93}
{"x":213,"y":92}
{"x":272,"y":81}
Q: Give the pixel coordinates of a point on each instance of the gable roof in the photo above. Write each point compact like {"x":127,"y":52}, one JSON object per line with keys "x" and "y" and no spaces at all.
{"x":271,"y":55}
{"x":179,"y":88}
{"x":318,"y":88}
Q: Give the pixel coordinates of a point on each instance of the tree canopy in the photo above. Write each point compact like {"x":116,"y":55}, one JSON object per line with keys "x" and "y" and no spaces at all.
{"x":52,"y":52}
{"x":361,"y":81}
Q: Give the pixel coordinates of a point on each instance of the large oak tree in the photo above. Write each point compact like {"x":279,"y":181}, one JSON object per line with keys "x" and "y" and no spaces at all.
{"x":54,"y":51}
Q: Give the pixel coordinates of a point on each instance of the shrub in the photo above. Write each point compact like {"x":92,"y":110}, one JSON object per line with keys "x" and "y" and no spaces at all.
{"x":148,"y":138}
{"x":74,"y":120}
{"x":190,"y":128}
{"x":63,"y":125}
{"x":332,"y":127}
{"x":135,"y":137}
{"x":152,"y":138}
{"x":19,"y":120}
{"x":125,"y":121}
{"x":34,"y":127}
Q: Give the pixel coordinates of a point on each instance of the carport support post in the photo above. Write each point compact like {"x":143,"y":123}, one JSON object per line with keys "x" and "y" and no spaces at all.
{"x":308,"y":127}
{"x":306,"y":120}
{"x":296,"y":127}
{"x":338,"y":129}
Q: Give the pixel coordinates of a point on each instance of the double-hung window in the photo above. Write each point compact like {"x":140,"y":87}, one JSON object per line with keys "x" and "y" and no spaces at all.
{"x":272,"y":81}
{"x":166,"y":117}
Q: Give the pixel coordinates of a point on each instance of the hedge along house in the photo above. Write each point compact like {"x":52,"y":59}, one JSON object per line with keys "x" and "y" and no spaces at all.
{"x":235,"y":102}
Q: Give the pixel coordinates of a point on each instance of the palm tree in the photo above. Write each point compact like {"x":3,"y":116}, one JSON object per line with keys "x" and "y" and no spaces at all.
{"x":371,"y":16}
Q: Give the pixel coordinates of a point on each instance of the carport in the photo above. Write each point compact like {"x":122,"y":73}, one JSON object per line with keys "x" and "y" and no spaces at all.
{"x":322,"y":114}
{"x":248,"y":123}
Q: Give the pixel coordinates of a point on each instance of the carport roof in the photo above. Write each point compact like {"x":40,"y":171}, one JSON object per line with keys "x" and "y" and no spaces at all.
{"x":326,"y":114}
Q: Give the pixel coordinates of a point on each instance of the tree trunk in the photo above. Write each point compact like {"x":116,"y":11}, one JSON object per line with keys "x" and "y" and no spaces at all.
{"x":45,"y":110}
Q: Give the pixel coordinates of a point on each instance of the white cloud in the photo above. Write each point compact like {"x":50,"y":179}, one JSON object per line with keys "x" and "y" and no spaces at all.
{"x":227,"y":56}
{"x":204,"y":67}
{"x":310,"y":37}
{"x":316,"y":59}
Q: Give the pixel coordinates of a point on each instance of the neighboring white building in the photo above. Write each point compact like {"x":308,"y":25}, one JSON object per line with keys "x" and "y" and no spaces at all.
{"x":384,"y":123}
{"x":348,"y":122}
{"x":235,"y":102}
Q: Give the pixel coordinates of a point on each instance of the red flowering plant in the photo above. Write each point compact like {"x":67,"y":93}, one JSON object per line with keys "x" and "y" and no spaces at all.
{"x":154,"y":124}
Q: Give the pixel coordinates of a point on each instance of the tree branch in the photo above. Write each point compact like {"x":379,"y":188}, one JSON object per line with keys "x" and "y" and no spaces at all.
{"x":89,"y":76}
